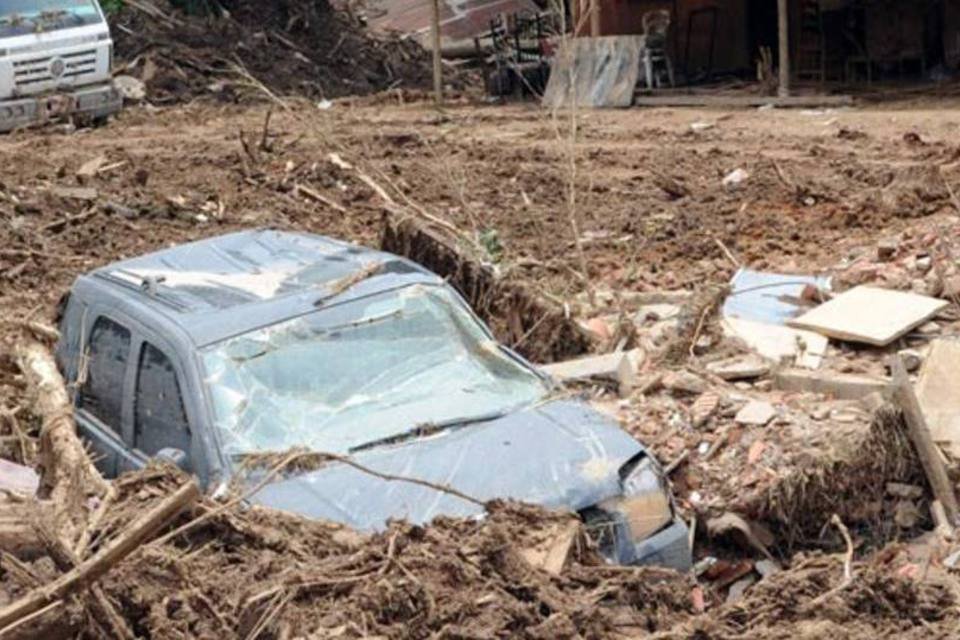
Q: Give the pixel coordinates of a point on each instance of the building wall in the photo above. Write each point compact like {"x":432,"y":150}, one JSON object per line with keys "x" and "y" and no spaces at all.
{"x":623,"y":17}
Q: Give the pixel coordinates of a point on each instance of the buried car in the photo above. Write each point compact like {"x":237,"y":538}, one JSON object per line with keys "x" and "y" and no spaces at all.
{"x":229,"y":350}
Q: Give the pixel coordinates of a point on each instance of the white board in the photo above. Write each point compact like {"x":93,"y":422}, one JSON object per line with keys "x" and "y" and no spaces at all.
{"x":870,"y":315}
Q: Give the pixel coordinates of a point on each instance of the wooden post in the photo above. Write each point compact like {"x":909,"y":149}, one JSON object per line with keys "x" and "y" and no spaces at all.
{"x":437,"y":66}
{"x":933,"y":467}
{"x":594,"y":18}
{"x":783,"y":23}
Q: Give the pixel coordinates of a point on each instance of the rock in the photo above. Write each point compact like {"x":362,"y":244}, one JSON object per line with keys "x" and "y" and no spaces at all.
{"x":132,"y":89}
{"x":756,"y":413}
{"x":90,"y":168}
{"x":905,"y":491}
{"x":740,"y":368}
{"x":887,"y":249}
{"x":766,"y":568}
{"x":912,"y":359}
{"x":738,"y":588}
{"x":684,"y":382}
{"x":951,"y":287}
{"x":906,"y":514}
{"x":703,"y":408}
{"x":923,"y":264}
{"x":734,"y":178}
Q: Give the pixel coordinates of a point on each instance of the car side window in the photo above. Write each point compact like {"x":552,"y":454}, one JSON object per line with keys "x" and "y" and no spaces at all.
{"x":101,"y":393}
{"x":160,"y":420}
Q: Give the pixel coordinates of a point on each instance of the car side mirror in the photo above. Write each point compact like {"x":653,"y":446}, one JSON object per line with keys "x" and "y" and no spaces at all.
{"x":176,"y":457}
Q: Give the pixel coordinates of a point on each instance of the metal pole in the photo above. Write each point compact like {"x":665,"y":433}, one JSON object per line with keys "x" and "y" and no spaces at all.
{"x":437,"y":66}
{"x":783,"y":20}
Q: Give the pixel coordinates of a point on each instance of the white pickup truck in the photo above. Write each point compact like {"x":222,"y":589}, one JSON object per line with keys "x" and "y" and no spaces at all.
{"x":55,"y":61}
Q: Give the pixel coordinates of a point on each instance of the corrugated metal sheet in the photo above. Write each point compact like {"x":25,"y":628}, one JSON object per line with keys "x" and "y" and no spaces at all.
{"x":459,"y":19}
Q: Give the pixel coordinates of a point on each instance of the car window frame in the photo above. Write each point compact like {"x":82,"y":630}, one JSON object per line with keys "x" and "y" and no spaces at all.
{"x":172,"y":356}
{"x":87,"y":327}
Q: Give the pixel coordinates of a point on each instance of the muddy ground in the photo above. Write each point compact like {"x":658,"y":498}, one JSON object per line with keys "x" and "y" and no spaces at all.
{"x":632,"y":202}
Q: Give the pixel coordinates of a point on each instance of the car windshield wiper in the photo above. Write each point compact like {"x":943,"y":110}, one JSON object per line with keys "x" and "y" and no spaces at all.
{"x":429,"y":429}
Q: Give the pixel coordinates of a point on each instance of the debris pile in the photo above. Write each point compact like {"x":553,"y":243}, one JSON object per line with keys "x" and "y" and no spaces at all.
{"x":267,"y":49}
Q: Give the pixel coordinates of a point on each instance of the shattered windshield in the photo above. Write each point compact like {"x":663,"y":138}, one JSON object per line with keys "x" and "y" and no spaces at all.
{"x":20,"y":17}
{"x":359,"y":373}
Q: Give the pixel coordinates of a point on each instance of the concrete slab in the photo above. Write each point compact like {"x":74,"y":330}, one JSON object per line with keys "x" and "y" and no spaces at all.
{"x":938,"y":391}
{"x":805,"y":348}
{"x":870,"y":315}
{"x":745,"y":367}
{"x":842,"y":386}
{"x":756,"y":413}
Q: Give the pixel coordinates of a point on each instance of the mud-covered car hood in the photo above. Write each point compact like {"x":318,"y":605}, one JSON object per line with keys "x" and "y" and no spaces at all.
{"x":560,"y":454}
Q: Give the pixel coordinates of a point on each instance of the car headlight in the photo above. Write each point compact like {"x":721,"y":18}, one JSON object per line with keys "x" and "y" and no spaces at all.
{"x":645,"y":504}
{"x":619,"y":524}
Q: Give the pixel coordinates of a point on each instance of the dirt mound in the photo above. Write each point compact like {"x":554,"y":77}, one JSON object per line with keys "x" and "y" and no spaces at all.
{"x":289,"y":47}
{"x":260,"y":573}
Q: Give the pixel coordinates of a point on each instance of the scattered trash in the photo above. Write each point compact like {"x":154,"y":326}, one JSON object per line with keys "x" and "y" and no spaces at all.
{"x":324,"y":105}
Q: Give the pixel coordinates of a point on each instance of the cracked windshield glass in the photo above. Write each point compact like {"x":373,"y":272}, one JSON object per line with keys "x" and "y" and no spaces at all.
{"x":361,"y":373}
{"x":20,"y":17}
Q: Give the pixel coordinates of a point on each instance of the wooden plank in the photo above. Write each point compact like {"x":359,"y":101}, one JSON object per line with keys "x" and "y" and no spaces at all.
{"x":741,"y":102}
{"x":933,"y":467}
{"x":870,"y":315}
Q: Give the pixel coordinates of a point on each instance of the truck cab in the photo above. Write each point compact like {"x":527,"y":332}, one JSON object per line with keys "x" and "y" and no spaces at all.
{"x":55,"y":61}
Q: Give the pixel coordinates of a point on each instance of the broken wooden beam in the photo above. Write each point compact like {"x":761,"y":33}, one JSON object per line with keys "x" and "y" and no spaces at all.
{"x":67,"y":475}
{"x":930,"y":456}
{"x":134,"y":535}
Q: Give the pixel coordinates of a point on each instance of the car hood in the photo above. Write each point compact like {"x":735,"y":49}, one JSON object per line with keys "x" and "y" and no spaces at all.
{"x":559,"y":454}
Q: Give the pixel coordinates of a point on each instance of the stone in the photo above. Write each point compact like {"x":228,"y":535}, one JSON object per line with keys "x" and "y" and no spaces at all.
{"x":756,"y":413}
{"x":738,"y":588}
{"x":766,"y":568}
{"x":740,"y":368}
{"x":887,"y":249}
{"x":906,"y":514}
{"x":132,"y":89}
{"x":923,"y":264}
{"x":905,"y":491}
{"x":684,"y":382}
{"x":912,"y":359}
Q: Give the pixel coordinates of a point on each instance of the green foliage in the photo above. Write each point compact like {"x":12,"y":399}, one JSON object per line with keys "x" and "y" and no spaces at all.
{"x":111,"y":7}
{"x":490,"y":241}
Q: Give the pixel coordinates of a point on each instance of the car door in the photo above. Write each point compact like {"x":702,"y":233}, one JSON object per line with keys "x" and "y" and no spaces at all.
{"x":101,"y":380}
{"x":159,"y":415}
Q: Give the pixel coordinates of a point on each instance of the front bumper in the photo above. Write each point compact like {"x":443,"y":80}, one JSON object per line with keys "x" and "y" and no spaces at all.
{"x":92,"y":102}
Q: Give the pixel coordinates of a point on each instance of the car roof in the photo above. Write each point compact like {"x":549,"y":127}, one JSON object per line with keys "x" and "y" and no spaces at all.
{"x":229,"y":284}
